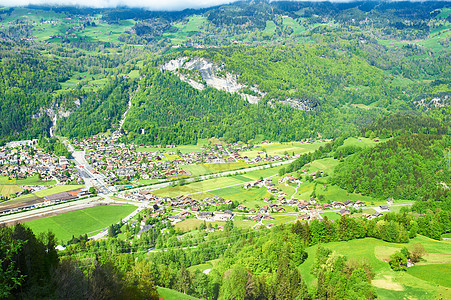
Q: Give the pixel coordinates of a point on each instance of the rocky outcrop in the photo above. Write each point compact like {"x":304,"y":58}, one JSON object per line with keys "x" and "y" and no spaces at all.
{"x":55,"y":112}
{"x":212,"y":76}
{"x":434,"y":102}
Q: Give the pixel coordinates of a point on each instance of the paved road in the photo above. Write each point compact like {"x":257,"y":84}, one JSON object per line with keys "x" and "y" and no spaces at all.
{"x":88,"y":174}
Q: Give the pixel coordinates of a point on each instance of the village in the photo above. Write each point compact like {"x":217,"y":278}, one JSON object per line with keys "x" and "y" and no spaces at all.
{"x":119,"y":162}
{"x":216,"y":209}
{"x":19,"y":160}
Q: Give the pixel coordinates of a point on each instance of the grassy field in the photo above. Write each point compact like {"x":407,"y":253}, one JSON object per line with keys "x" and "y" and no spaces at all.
{"x":280,"y":220}
{"x":168,"y":294}
{"x":6,"y":190}
{"x":280,"y":149}
{"x":201,"y":169}
{"x":90,"y":221}
{"x":390,"y":284}
{"x":182,"y":149}
{"x":331,"y":215}
{"x":33,"y":180}
{"x":437,"y":273}
{"x":193,"y":224}
{"x":186,"y":29}
{"x":270,"y":27}
{"x":290,"y":22}
{"x":362,"y":142}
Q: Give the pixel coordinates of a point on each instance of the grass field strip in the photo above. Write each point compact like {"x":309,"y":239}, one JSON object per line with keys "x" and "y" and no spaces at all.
{"x":225,"y":187}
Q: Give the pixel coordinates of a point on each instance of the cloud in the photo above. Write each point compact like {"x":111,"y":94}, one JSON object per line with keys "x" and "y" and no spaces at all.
{"x":146,"y":4}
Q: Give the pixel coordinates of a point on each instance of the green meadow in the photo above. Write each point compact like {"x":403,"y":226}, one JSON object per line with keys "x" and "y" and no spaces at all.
{"x":57,"y":189}
{"x":89,"y":220}
{"x":270,"y":27}
{"x":290,"y":22}
{"x":32,"y":180}
{"x":427,"y":280}
{"x":281,"y":149}
{"x":168,"y":294}
{"x":186,"y":29}
{"x":202,"y":169}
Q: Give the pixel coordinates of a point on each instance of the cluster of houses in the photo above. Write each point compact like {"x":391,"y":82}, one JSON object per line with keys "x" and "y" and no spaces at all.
{"x":117,"y":161}
{"x":24,"y":158}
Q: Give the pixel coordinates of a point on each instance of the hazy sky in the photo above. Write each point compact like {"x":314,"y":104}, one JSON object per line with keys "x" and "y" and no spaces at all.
{"x":148,"y":4}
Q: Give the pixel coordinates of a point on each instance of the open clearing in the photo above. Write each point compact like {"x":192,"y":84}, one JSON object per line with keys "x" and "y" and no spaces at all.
{"x":280,"y":149}
{"x":168,"y":294}
{"x":89,"y":220}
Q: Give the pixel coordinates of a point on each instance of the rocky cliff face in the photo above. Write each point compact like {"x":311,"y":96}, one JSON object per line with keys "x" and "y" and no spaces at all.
{"x":211,"y":74}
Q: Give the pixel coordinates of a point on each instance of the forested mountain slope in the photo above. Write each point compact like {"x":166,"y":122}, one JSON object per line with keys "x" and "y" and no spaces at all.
{"x":171,"y":111}
{"x":26,"y":81}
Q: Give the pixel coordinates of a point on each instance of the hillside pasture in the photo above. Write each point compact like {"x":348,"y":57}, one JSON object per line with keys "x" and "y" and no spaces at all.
{"x":413,"y":284}
{"x":280,"y":149}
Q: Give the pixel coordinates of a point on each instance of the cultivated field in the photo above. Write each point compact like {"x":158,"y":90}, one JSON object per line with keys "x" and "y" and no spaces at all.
{"x":89,"y":220}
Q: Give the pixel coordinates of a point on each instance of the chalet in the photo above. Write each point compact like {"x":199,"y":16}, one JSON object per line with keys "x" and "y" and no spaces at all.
{"x":390,"y":201}
{"x":348,"y":203}
{"x":252,"y":211}
{"x":256,"y":218}
{"x":176,"y":219}
{"x":206,"y":215}
{"x":280,"y":209}
{"x":384,"y":208}
{"x":304,"y":217}
{"x":228,"y":213}
{"x":376,"y":215}
{"x":345,"y":212}
{"x":338,"y":204}
{"x":185,"y":214}
{"x":145,"y":229}
{"x":326,"y":205}
{"x":358,"y":203}
{"x":241,"y":207}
